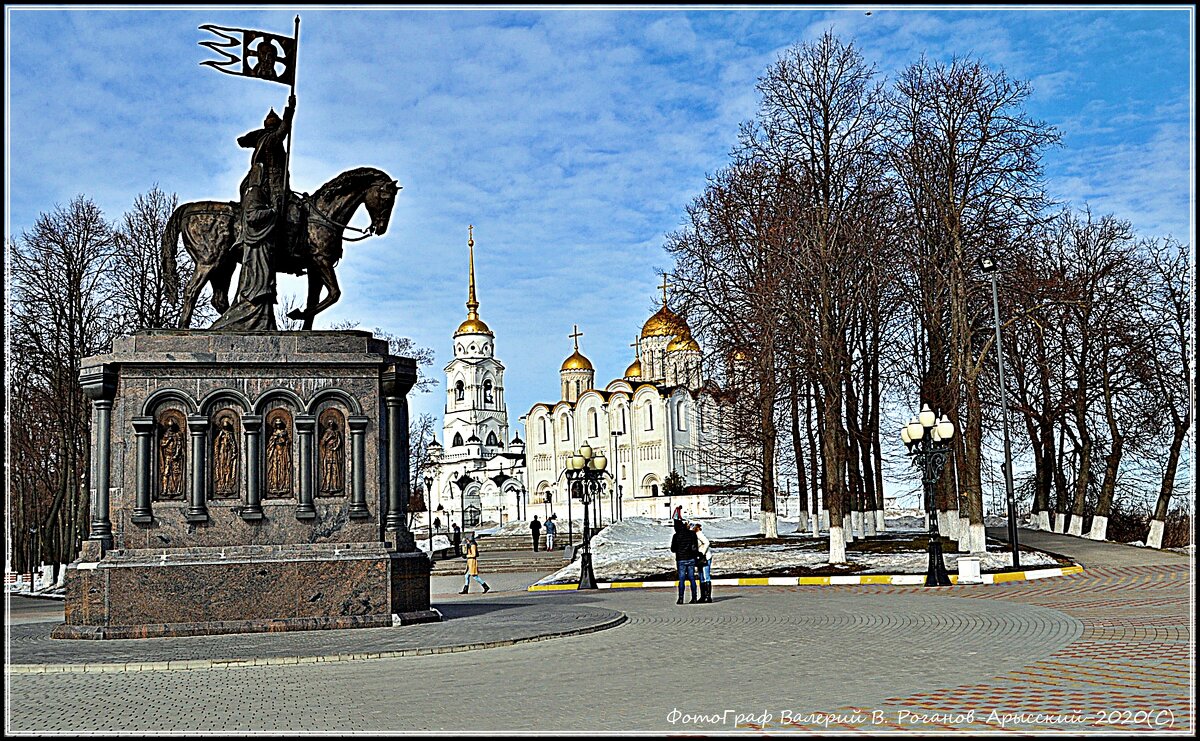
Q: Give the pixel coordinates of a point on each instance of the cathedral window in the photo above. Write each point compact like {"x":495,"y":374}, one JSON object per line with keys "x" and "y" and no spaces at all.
{"x":595,"y":420}
{"x":460,"y":391}
{"x":458,"y":441}
{"x":649,"y":416}
{"x":577,"y":389}
{"x":487,"y":392}
{"x":566,"y":428}
{"x":681,"y":416}
{"x":491,"y":439}
{"x":624,"y":427}
{"x":543,"y":420}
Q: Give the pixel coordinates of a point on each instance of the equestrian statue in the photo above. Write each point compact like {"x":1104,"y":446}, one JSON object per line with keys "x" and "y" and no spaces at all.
{"x":270,"y":228}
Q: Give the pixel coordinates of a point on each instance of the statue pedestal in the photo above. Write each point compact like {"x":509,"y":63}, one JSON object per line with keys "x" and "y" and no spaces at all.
{"x":243,"y":480}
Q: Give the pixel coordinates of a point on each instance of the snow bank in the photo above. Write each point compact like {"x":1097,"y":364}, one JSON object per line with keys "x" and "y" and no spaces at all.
{"x":638,"y":547}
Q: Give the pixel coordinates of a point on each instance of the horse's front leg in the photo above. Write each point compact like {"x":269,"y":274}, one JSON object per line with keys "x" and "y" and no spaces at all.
{"x":319,"y":274}
{"x":314,"y":296}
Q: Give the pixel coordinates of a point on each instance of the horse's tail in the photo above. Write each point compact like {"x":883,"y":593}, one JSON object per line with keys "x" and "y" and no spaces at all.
{"x":170,"y":245}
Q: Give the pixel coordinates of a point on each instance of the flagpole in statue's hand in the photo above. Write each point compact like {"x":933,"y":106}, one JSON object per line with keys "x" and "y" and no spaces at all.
{"x":291,"y":110}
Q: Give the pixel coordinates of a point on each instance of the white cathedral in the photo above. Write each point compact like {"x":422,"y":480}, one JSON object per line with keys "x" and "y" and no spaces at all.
{"x":659,"y":417}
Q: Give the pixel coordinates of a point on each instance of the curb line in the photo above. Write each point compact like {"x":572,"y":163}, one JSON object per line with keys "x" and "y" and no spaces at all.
{"x":909,"y":580}
{"x":140,"y":666}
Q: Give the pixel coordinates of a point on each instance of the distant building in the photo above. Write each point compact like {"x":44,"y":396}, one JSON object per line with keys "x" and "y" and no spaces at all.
{"x":478,"y":471}
{"x":658,"y":418}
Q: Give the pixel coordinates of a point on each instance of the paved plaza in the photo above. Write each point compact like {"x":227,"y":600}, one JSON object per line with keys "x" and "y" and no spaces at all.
{"x":1109,"y":649}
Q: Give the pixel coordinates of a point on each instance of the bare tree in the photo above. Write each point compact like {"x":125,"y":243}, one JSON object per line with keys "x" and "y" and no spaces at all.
{"x":144,"y":298}
{"x":420,"y":433}
{"x":968,"y":158}
{"x":1166,"y":321}
{"x":822,"y":120}
{"x":62,"y":312}
{"x":728,"y":267}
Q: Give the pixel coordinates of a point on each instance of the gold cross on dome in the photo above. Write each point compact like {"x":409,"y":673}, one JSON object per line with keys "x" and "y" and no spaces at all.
{"x":665,"y":285}
{"x":637,"y":345}
{"x":576,"y":335}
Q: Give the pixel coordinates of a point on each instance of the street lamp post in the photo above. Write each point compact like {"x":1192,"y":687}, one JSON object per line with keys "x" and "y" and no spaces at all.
{"x":585,"y":471}
{"x":989,"y":266}
{"x":928,"y":442}
{"x":429,"y":514}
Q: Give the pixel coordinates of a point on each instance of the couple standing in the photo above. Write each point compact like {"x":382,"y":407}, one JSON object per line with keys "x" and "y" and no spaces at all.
{"x":693,"y":553}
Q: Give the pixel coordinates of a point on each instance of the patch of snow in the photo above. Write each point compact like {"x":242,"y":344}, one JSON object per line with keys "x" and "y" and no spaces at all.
{"x":638,"y":547}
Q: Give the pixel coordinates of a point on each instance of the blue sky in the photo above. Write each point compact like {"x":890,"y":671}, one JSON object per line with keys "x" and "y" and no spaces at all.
{"x":571,"y":139}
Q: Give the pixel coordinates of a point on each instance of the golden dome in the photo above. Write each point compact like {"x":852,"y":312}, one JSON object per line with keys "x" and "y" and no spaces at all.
{"x":738,"y":356}
{"x":683,"y":342}
{"x":473,"y":325}
{"x":577,"y":362}
{"x":664,"y":323}
{"x":634,"y":370}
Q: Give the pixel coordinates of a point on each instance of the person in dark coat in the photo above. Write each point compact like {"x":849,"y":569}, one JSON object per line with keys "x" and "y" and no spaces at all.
{"x":536,"y":528}
{"x":457,"y":538}
{"x":686,"y":549}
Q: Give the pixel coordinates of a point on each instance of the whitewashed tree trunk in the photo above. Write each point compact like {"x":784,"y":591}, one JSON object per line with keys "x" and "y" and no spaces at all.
{"x":1059,"y":521}
{"x":1043,"y":521}
{"x":978,"y":538}
{"x":769,"y":524}
{"x":837,"y":545}
{"x":880,"y":523}
{"x":1076,"y":527}
{"x":824,"y":520}
{"x":802,"y":525}
{"x":1154,"y":539}
{"x":868,"y":523}
{"x":964,"y":534}
{"x":948,"y":523}
{"x":1099,"y":529}
{"x":856,"y":518}
{"x":848,"y":528}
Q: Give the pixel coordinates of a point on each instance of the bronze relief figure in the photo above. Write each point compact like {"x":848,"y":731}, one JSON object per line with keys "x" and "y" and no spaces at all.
{"x":225,"y":456}
{"x":171,"y":456}
{"x":279,"y":458}
{"x":331,"y":454}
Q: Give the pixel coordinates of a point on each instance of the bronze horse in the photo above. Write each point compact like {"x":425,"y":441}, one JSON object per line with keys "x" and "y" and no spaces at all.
{"x":312,"y":242}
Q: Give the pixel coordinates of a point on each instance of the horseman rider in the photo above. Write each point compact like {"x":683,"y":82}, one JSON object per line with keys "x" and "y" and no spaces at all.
{"x":267,"y":144}
{"x":262,"y":192}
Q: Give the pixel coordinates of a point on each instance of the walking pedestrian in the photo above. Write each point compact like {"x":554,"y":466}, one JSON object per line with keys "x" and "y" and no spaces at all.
{"x":551,"y":531}
{"x":473,"y":567}
{"x":536,"y":528}
{"x":457,"y":538}
{"x":703,"y":564}
{"x":677,"y":513}
{"x":683,"y":545}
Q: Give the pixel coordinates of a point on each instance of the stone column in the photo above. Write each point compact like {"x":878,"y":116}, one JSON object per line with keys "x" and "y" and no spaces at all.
{"x":305,"y":424}
{"x":358,"y":467}
{"x":397,"y":380}
{"x":143,"y":428}
{"x":197,"y":510}
{"x":100,"y":385}
{"x":252,"y":424}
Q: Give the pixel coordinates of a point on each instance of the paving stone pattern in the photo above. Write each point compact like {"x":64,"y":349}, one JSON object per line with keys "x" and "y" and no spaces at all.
{"x":1114,"y":640}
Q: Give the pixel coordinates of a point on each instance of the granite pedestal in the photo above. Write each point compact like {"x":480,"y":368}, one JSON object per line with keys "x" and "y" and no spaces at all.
{"x":247,"y":481}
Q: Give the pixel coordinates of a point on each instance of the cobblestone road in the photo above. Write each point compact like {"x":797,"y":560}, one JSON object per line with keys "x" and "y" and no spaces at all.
{"x":1115,"y":639}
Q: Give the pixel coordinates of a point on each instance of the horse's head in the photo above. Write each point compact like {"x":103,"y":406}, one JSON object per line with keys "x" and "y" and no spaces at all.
{"x":379,"y":199}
